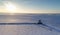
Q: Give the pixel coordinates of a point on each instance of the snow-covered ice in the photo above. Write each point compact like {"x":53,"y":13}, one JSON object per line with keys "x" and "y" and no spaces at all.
{"x":52,"y":20}
{"x":26,"y":30}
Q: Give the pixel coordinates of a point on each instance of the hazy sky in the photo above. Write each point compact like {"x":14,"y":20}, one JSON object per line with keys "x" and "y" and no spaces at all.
{"x":30,"y":6}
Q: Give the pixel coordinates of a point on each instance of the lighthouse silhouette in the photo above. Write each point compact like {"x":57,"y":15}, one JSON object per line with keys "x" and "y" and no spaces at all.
{"x":39,"y":22}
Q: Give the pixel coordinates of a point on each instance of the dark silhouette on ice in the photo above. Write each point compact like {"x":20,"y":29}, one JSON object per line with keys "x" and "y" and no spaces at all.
{"x":39,"y":22}
{"x":50,"y":28}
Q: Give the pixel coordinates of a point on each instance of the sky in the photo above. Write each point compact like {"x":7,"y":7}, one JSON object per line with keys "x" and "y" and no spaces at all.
{"x":30,"y":6}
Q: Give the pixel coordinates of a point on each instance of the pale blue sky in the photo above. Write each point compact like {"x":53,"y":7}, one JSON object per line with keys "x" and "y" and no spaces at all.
{"x":36,"y":5}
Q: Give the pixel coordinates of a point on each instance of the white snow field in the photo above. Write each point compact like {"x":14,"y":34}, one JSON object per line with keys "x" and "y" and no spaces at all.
{"x":26,"y":30}
{"x":51,"y":20}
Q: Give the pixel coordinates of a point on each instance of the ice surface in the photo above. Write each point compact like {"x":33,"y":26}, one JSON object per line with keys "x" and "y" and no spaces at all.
{"x":25,"y":30}
{"x":52,"y":20}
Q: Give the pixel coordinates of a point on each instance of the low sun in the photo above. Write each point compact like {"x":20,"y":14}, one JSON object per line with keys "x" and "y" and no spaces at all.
{"x":10,"y":8}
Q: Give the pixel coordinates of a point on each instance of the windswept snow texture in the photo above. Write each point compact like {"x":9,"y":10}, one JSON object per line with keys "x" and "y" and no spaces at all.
{"x":52,"y":20}
{"x":25,"y":30}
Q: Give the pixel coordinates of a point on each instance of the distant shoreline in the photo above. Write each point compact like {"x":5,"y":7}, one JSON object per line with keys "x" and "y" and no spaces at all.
{"x":29,"y":13}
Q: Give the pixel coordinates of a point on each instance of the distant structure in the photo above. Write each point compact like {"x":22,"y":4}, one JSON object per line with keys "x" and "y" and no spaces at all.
{"x":39,"y":22}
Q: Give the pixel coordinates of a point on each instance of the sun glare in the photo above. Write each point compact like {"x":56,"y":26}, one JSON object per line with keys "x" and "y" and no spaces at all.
{"x":10,"y":8}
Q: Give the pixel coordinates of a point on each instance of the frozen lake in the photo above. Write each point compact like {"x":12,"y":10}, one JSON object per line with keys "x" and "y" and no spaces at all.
{"x":52,"y":20}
